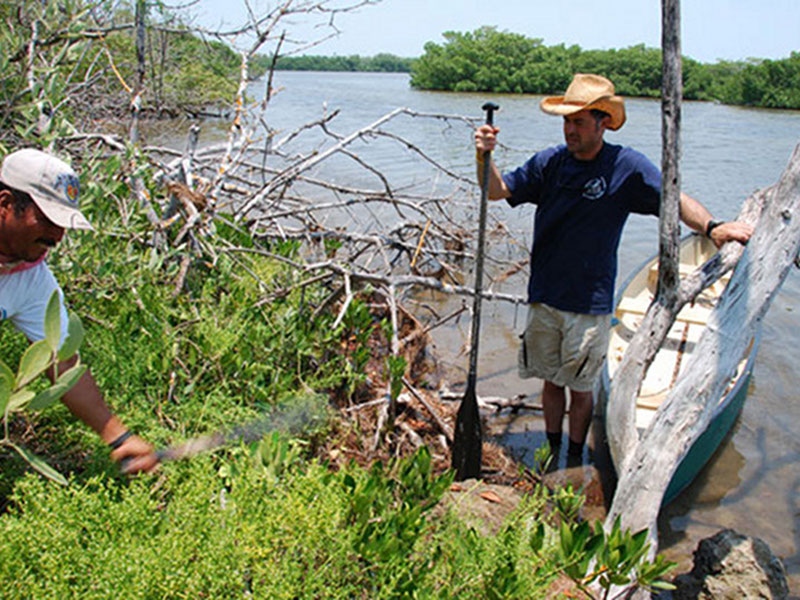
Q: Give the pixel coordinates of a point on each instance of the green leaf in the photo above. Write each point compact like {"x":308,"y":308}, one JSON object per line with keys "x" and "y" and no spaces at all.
{"x":638,"y":541}
{"x":663,"y":585}
{"x":64,"y":383}
{"x":20,"y":400}
{"x":52,"y":322}
{"x":6,"y":386}
{"x":5,"y":395}
{"x":74,"y":339}
{"x":6,"y":373}
{"x":619,"y":579}
{"x":537,"y":538}
{"x":595,"y":544}
{"x":613,"y":559}
{"x":566,"y":540}
{"x":34,"y":362}
{"x":40,"y":465}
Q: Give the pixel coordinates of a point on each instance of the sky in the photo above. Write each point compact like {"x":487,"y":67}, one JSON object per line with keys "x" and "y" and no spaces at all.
{"x":710,"y":29}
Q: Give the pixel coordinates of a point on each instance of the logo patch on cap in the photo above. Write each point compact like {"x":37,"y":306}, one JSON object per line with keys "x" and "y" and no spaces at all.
{"x":70,"y":186}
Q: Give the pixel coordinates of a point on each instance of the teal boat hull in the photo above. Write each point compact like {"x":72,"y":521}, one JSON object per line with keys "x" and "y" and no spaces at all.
{"x":722,"y":420}
{"x":709,"y":442}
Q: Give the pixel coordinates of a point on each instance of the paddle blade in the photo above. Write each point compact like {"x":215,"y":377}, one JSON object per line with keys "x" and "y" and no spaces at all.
{"x":467,"y":438}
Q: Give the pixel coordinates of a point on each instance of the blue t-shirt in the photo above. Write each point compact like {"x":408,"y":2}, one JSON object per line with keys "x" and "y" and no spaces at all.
{"x":581,"y":209}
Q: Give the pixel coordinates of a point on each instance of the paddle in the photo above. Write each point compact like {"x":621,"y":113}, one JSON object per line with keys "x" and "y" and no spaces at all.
{"x":467,"y":438}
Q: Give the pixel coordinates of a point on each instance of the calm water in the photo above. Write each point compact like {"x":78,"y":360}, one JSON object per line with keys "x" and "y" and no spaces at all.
{"x":753,"y":483}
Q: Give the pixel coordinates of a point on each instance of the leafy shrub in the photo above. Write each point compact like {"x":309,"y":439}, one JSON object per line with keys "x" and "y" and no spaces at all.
{"x":502,"y":62}
{"x":309,"y":533}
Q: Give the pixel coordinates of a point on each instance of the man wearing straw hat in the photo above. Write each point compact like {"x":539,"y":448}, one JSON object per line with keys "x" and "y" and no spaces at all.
{"x":584,"y":191}
{"x":38,"y":201}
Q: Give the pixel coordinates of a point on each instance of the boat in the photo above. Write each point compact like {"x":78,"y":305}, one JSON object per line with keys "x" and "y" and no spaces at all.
{"x":631,"y":304}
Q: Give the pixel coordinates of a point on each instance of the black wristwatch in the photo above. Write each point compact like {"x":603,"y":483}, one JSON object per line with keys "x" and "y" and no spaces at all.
{"x":711,"y":225}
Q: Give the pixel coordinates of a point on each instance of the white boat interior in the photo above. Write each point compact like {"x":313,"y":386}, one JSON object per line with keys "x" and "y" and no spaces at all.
{"x":679,"y":344}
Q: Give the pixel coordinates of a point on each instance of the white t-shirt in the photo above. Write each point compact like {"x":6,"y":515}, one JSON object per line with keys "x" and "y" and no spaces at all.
{"x":23,"y":300}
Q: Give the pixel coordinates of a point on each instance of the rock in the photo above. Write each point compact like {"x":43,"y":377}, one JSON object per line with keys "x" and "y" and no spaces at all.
{"x":732,"y":566}
{"x":482,"y":505}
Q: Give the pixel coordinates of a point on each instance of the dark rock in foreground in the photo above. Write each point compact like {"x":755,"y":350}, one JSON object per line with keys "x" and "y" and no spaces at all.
{"x":732,"y":566}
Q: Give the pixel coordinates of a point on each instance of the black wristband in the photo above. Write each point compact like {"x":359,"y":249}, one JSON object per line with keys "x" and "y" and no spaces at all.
{"x":712,"y":224}
{"x":116,"y":443}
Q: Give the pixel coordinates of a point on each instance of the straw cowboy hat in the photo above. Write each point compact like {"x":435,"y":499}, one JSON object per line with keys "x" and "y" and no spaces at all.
{"x":586,"y":92}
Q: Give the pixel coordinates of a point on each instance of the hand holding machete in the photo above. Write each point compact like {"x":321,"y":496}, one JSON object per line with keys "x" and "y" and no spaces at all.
{"x":303,"y":413}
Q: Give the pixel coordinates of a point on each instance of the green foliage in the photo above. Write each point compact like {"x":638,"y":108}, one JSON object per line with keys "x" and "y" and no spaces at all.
{"x":383,"y":62}
{"x":578,"y":545}
{"x":387,"y":506}
{"x":504,"y":62}
{"x":26,"y":93}
{"x":635,"y":71}
{"x":568,"y":502}
{"x":397,"y":368}
{"x":209,"y":357}
{"x":276,"y":454}
{"x":542,"y":458}
{"x":175,"y":365}
{"x":619,"y":558}
{"x":16,"y":391}
{"x":308,"y":533}
{"x":104,"y":540}
{"x":183,"y":70}
{"x":75,"y":68}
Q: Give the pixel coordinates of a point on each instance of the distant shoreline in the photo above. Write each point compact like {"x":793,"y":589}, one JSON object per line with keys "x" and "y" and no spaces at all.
{"x":491,"y":61}
{"x":518,"y":94}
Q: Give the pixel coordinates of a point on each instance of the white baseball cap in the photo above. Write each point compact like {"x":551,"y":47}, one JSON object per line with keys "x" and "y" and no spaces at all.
{"x":51,"y":183}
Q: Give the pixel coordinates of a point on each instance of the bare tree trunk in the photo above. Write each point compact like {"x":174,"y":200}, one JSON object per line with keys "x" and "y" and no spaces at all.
{"x":136,"y":99}
{"x":622,"y":402}
{"x":671,"y":94}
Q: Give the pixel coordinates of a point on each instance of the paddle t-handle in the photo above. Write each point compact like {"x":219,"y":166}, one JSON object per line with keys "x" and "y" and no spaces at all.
{"x":489,"y":108}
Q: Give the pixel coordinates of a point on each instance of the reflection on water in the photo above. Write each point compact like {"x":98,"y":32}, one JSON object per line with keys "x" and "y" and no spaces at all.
{"x":753,"y":483}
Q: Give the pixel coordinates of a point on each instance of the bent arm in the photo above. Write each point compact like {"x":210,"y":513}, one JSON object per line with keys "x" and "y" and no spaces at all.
{"x":696,"y":216}
{"x":85,"y":401}
{"x":485,"y":141}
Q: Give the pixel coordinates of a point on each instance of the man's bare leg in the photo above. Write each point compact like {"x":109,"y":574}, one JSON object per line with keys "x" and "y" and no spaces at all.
{"x":580,"y":417}
{"x":554,"y":401}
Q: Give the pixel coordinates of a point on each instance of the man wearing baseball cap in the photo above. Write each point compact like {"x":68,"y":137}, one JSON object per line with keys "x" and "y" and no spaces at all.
{"x":584,"y":191}
{"x":39,"y":200}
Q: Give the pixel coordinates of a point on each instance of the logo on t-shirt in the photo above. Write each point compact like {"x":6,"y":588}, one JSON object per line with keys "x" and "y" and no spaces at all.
{"x":595,"y":188}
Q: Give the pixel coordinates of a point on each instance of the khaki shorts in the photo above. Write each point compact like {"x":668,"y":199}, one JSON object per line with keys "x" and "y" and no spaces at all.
{"x":565,"y":348}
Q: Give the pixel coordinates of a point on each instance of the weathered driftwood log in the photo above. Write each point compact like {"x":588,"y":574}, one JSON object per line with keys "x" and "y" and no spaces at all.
{"x":621,"y":409}
{"x":685,"y":414}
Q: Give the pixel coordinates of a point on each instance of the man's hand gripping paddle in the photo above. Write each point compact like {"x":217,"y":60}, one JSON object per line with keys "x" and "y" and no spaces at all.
{"x":467,"y":439}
